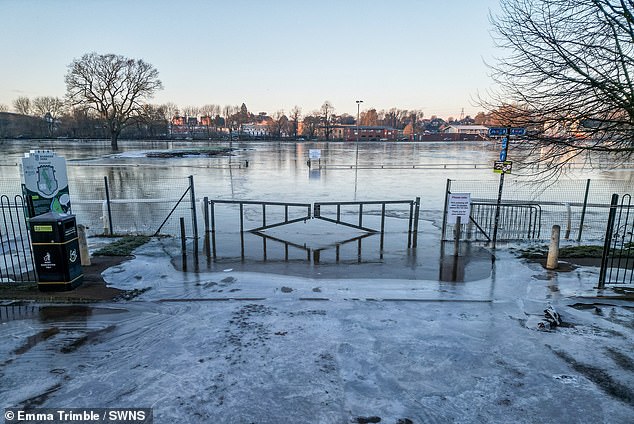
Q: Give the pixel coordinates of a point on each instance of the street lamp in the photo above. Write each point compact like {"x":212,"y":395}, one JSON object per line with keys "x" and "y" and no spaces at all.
{"x":358,"y":109}
{"x":356,"y":160}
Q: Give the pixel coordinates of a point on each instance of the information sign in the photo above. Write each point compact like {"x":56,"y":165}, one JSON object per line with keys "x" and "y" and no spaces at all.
{"x":505,"y":167}
{"x":458,"y":205}
{"x":45,"y":183}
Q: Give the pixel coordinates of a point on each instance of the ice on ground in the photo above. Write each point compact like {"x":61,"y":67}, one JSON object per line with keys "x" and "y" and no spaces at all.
{"x":236,"y":347}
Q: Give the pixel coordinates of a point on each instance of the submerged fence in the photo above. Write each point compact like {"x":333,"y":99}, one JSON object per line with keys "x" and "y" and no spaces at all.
{"x":529,"y":209}
{"x":139,"y":203}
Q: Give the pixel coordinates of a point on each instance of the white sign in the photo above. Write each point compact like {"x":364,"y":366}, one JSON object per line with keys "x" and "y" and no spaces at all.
{"x":45,"y":182}
{"x":314,"y":154}
{"x":458,"y":205}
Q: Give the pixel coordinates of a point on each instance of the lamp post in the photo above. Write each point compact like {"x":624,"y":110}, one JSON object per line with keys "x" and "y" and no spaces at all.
{"x":356,"y":160}
{"x":358,"y":110}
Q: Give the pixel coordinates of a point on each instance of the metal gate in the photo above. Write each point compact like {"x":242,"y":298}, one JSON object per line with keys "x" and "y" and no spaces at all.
{"x":16,"y":264}
{"x":617,"y":262}
{"x":516,"y":221}
{"x":276,"y":214}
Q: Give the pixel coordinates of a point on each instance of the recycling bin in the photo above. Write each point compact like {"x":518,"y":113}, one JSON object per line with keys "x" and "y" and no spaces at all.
{"x":55,"y":248}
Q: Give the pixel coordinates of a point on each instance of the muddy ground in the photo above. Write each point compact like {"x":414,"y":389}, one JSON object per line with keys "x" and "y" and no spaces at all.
{"x":92,"y":289}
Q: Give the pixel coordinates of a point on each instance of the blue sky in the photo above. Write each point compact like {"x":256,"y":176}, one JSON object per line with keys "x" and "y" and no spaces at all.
{"x":410,"y":54}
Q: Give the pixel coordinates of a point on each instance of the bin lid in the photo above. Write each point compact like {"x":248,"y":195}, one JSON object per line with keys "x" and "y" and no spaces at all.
{"x":52,"y":217}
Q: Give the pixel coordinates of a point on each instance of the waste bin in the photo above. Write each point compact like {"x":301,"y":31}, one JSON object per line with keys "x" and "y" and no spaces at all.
{"x":56,"y":251}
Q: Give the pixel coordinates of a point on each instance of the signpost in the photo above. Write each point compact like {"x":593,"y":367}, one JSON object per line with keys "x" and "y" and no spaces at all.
{"x":503,"y":166}
{"x":458,"y":207}
{"x":314,"y":154}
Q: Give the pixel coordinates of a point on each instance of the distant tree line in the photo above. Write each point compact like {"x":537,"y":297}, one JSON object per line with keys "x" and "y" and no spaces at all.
{"x":52,"y":117}
{"x":107,"y":96}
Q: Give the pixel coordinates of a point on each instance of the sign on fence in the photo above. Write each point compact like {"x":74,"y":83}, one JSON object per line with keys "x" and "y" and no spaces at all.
{"x":503,"y":167}
{"x":314,"y":154}
{"x":45,"y":182}
{"x":458,"y":205}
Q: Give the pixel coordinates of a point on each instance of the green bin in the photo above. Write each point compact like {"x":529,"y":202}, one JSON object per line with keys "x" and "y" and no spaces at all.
{"x":56,"y":251}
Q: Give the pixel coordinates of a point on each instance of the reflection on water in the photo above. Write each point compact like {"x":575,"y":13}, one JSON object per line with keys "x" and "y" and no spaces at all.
{"x":463,"y":264}
{"x":275,"y":172}
{"x":318,"y":252}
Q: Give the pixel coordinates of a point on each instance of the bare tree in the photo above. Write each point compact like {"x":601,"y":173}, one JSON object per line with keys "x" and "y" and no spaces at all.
{"x":191,"y":111}
{"x":279,"y":125}
{"x":114,"y":86}
{"x":369,"y":118}
{"x":46,"y":105}
{"x":22,"y":105}
{"x":4,"y":108}
{"x":567,"y":75}
{"x":327,"y":110}
{"x":170,"y":110}
{"x":296,"y":112}
{"x":48,"y":108}
{"x":311,"y":123}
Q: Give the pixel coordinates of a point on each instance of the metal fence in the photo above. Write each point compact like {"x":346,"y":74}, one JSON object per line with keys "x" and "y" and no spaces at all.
{"x":114,"y":204}
{"x":617,"y":262}
{"x":529,"y":209}
{"x":108,"y":205}
{"x":16,"y":262}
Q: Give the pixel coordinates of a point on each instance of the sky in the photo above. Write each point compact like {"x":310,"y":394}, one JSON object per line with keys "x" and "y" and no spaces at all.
{"x":409,"y":54}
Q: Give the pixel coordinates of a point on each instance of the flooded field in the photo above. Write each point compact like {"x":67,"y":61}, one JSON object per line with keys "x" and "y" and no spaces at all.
{"x":144,"y":188}
{"x":313,"y":321}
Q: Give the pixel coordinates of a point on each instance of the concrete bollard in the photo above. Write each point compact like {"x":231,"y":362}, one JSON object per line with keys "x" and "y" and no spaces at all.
{"x":83,"y":245}
{"x":553,"y":251}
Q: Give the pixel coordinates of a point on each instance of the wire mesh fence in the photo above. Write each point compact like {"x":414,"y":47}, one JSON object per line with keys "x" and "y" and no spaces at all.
{"x":529,"y":210}
{"x":122,"y":203}
{"x":118,"y":205}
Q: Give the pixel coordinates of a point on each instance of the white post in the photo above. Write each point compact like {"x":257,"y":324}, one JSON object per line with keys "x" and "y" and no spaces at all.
{"x":104,"y":218}
{"x":83,"y":245}
{"x":553,"y":251}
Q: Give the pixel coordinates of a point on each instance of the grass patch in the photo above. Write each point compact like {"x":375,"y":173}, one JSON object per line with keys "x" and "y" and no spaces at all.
{"x":122,"y":247}
{"x":541,"y":252}
{"x":18,"y":287}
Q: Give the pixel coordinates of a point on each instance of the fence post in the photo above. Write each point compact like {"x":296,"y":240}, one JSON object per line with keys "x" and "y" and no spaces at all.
{"x":456,"y":243}
{"x":206,"y":221}
{"x":444,"y":213}
{"x":568,"y":221}
{"x":192,"y":197}
{"x":110,"y":226}
{"x":608,"y":240}
{"x":416,"y":215}
{"x":410,"y":224}
{"x":583,"y":211}
{"x":183,"y":244}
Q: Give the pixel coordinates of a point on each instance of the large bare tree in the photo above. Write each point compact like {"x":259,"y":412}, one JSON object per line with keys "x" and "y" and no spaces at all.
{"x":23,"y":105}
{"x":566,"y":73}
{"x":114,"y":86}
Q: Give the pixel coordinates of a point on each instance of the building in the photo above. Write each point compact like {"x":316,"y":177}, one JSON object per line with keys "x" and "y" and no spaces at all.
{"x":370,"y":133}
{"x":467,"y":129}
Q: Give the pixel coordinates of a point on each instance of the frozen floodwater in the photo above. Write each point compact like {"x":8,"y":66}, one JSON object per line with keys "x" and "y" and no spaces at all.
{"x":242,"y":347}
